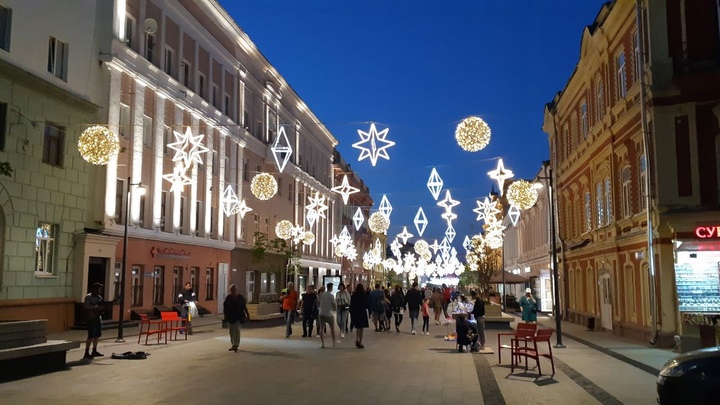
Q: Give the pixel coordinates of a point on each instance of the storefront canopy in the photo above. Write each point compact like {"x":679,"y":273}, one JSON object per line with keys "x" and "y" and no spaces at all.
{"x":510,"y":278}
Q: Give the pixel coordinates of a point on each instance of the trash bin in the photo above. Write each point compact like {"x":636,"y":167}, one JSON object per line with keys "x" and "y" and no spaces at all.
{"x":591,"y":323}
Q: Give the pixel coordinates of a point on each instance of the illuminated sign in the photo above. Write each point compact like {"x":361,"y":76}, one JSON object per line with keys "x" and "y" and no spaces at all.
{"x":707,"y":232}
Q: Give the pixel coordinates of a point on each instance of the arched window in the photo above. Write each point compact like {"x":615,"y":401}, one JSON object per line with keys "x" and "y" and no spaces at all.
{"x":620,"y":76}
{"x":608,"y":201}
{"x":626,"y":200}
{"x":599,"y":204}
{"x":588,"y":211}
{"x":599,"y":100}
{"x":642,"y":180}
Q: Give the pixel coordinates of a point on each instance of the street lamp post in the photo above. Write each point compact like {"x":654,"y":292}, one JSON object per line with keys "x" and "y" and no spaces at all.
{"x":553,"y":254}
{"x":123,"y":270}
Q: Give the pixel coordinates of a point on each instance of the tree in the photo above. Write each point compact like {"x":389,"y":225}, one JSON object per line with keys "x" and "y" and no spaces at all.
{"x":482,"y":263}
{"x":282,"y":258}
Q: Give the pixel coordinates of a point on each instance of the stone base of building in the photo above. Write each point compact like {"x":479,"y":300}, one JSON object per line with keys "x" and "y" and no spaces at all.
{"x":59,"y":312}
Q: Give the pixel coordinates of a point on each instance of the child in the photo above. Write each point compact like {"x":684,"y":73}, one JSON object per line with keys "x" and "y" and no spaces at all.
{"x":426,"y":316}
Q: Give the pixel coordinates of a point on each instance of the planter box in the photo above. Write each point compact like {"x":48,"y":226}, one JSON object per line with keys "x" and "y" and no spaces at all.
{"x":264,"y":310}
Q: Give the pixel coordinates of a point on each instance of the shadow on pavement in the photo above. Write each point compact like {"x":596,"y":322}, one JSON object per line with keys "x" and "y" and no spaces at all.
{"x":271,"y":354}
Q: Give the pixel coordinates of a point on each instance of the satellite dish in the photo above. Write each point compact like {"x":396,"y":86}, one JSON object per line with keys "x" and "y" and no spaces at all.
{"x":150,"y":25}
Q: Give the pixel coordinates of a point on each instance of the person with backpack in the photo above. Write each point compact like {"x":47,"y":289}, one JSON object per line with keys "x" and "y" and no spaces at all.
{"x":236,"y":313}
{"x":414,"y":299}
{"x":397,"y":303}
{"x":377,"y":306}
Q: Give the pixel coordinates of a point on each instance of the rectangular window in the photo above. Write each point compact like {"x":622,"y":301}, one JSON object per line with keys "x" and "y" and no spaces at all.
{"x":588,"y":211}
{"x":226,"y":105}
{"x":169,"y":60}
{"x":245,"y":175}
{"x":147,"y":130}
{"x":186,"y":73}
{"x":608,"y":202}
{"x":599,"y":209}
{"x":182,"y":215}
{"x":45,"y":248}
{"x":201,"y":85}
{"x":215,"y":96}
{"x":626,"y":200}
{"x":290,"y":190}
{"x":195,"y":280}
{"x":158,"y":285}
{"x":53,"y":144}
{"x":141,"y":217}
{"x":643,"y":184}
{"x":209,"y":284}
{"x":136,"y":286}
{"x":566,"y":139}
{"x":129,"y":30}
{"x":599,"y":100}
{"x":212,"y":220}
{"x":57,"y":61}
{"x":5,"y":27}
{"x":167,"y":138}
{"x":264,"y":286}
{"x":119,"y":201}
{"x":683,"y":154}
{"x":246,"y":120}
{"x":243,"y":228}
{"x":280,"y":186}
{"x":226,"y":160}
{"x":584,"y":119}
{"x":3,"y":124}
{"x":150,"y":47}
{"x":177,"y":282}
{"x":124,"y":125}
{"x":198,"y":216}
{"x":636,"y":54}
{"x":621,"y":79}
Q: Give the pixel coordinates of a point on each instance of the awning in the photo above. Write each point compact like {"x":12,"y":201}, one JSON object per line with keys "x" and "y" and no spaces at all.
{"x":510,"y":278}
{"x":317,"y":264}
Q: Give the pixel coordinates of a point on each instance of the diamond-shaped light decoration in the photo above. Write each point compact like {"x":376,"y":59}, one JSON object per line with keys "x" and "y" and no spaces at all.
{"x":229,"y":200}
{"x":450,"y":233}
{"x":281,"y":149}
{"x":405,"y":235}
{"x":385,"y":206}
{"x":373,"y":139}
{"x":345,"y":236}
{"x":435,"y":184}
{"x":345,"y":189}
{"x":358,"y":219}
{"x":421,"y":221}
{"x":445,"y":246}
{"x":500,"y":174}
{"x":514,"y":214}
{"x":466,"y":243}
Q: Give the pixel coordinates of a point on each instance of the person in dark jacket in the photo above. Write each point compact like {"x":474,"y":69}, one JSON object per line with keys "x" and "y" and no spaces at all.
{"x":236,"y":313}
{"x":358,"y":312}
{"x":397,"y":304}
{"x":309,"y":308}
{"x":188,"y":309}
{"x":478,"y":313}
{"x":413,"y":299}
{"x":466,"y":333}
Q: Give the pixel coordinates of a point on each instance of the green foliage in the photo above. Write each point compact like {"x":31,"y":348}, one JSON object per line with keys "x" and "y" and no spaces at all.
{"x":6,"y":169}
{"x":262,"y":246}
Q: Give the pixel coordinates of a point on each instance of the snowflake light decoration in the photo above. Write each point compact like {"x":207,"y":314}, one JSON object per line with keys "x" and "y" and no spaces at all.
{"x":345,"y":189}
{"x":178,"y":178}
{"x":318,"y":206}
{"x":358,"y":219}
{"x":385,"y":206}
{"x":188,"y":148}
{"x":373,"y":138}
{"x":405,"y":235}
{"x":435,"y":184}
{"x":472,"y":134}
{"x":229,"y":201}
{"x":486,"y":210}
{"x":500,"y":174}
{"x":281,"y":149}
{"x":421,"y":221}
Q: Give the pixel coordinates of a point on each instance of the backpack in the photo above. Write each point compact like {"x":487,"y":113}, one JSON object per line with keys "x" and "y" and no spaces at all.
{"x":130,"y":356}
{"x":380,"y":306}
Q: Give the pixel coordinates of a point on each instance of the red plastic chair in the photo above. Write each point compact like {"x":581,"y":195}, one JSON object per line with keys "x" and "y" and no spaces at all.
{"x":174,"y":324}
{"x":523,"y":330}
{"x":543,"y":335}
{"x":152,"y":327}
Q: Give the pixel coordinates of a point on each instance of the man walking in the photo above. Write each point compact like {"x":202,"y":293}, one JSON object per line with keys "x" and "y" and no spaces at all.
{"x":377,"y":296}
{"x":326,"y":306}
{"x":414,"y":299}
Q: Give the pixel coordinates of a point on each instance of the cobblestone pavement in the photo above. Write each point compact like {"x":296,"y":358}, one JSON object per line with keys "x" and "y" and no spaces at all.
{"x":594,"y":368}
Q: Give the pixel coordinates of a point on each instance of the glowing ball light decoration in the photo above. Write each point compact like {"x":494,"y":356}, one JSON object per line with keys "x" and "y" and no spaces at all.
{"x":522,"y":194}
{"x":284,"y":229}
{"x":378,"y":222}
{"x":98,"y":145}
{"x":308,"y":238}
{"x":264,"y":186}
{"x":472,"y":134}
{"x":422,"y":247}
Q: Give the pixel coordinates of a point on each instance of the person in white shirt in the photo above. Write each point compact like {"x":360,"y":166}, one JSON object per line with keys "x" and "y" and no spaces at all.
{"x":326,"y":306}
{"x":342,"y":303}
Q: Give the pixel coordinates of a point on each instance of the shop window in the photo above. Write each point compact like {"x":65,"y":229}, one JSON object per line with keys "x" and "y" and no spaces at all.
{"x":177,"y":281}
{"x":136,"y":286}
{"x":159,"y":285}
{"x":273,"y":283}
{"x":45,"y":248}
{"x":264,"y":283}
{"x":195,"y":280}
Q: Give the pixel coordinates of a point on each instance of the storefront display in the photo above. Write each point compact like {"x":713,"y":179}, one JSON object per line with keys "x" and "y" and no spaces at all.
{"x":697,"y":276}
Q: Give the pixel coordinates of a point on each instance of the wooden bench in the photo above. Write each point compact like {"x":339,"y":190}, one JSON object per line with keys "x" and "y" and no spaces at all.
{"x":264,"y":310}
{"x":25,"y":350}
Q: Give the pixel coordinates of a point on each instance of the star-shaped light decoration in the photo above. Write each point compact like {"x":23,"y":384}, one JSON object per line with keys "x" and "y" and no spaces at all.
{"x":435,"y":184}
{"x":405,"y":235}
{"x":448,"y":203}
{"x":434,"y":247}
{"x":372,"y":139}
{"x":281,"y":149}
{"x":242,"y":209}
{"x":486,"y":210}
{"x":178,"y":178}
{"x":385,"y":206}
{"x":448,"y":217}
{"x":358,"y":219}
{"x":500,"y":174}
{"x":229,"y":200}
{"x":421,"y":221}
{"x":395,"y":247}
{"x":450,"y":233}
{"x":334,"y":241}
{"x":316,"y":209}
{"x":188,"y":148}
{"x":514,"y":214}
{"x":345,"y":189}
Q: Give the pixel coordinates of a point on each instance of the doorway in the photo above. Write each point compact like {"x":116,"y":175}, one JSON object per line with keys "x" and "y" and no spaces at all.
{"x":222,"y":287}
{"x":97,"y":273}
{"x":250,"y":286}
{"x":606,"y":301}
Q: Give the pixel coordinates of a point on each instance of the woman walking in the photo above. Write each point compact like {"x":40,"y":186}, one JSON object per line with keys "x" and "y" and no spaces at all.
{"x":437,"y":304}
{"x":397,"y":303}
{"x":529,"y":307}
{"x":236,"y":313}
{"x":342,"y":301}
{"x":358,"y":312}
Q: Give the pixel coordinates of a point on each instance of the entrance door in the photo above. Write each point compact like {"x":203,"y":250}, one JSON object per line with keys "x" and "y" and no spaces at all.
{"x":222,"y":285}
{"x":250,"y":286}
{"x":97,"y":273}
{"x":606,"y":301}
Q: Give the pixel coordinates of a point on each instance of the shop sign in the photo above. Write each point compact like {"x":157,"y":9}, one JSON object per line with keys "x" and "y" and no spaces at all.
{"x":708,"y":232}
{"x":170,"y":253}
{"x":699,"y":319}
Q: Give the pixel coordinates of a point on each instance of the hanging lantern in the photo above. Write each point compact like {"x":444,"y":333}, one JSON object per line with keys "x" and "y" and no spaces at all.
{"x":284,"y":229}
{"x":522,"y":194}
{"x":378,"y":222}
{"x":263,"y":186}
{"x":98,"y":145}
{"x":472,"y":134}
